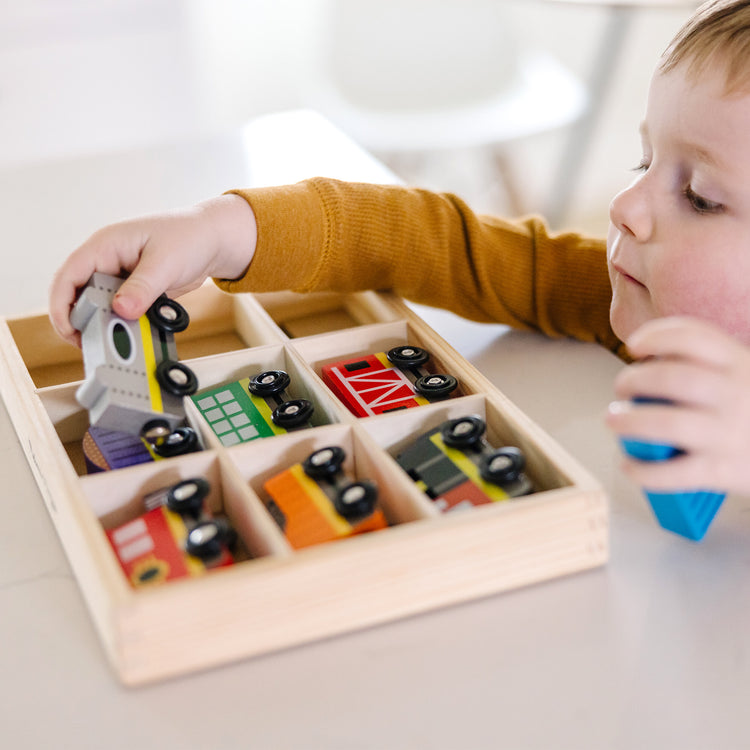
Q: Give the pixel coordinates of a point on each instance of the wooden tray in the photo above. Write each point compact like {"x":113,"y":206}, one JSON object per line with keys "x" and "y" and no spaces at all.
{"x":277,"y":597}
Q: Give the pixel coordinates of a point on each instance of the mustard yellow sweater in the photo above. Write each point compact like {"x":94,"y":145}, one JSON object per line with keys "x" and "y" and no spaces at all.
{"x":323,"y":234}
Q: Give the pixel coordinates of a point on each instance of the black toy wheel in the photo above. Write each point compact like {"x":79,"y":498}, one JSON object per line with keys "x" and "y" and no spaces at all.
{"x":408,"y":356}
{"x":502,"y":465}
{"x":292,"y":413}
{"x":156,"y":431}
{"x":324,"y":463}
{"x":207,"y":539}
{"x":356,"y":500}
{"x":268,"y":383}
{"x":176,"y":378}
{"x":186,"y":497}
{"x":179,"y":442}
{"x":435,"y":387}
{"x":168,"y":315}
{"x":464,"y":432}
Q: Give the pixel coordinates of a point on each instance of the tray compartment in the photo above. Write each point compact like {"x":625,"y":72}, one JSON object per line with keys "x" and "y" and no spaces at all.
{"x":48,"y":359}
{"x":70,"y":421}
{"x":117,"y":500}
{"x":234,"y":366}
{"x":397,"y":432}
{"x":221,"y":322}
{"x":399,"y":502}
{"x":341,"y":346}
{"x":303,"y":315}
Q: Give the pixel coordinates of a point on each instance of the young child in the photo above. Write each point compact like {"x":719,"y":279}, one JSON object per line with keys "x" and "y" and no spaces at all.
{"x":672,"y":281}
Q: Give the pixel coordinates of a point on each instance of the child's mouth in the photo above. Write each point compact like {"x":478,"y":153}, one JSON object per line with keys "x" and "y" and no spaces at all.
{"x":625,"y":275}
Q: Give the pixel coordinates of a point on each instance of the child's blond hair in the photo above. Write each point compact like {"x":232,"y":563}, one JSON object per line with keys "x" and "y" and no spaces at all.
{"x":718,"y":32}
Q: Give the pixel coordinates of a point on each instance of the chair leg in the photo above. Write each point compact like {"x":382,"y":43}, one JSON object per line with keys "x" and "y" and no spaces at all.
{"x":410,"y":167}
{"x":506,"y":171}
{"x":617,"y":27}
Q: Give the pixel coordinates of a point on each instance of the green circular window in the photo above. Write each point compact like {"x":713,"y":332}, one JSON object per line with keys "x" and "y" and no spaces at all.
{"x":121,"y":340}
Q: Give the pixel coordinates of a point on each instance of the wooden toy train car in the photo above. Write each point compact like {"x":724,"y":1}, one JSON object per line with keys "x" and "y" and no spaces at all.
{"x":387,"y":381}
{"x":457,"y":468}
{"x":104,"y":450}
{"x":253,"y":407}
{"x":313,"y":502}
{"x":134,"y":381}
{"x":174,"y":538}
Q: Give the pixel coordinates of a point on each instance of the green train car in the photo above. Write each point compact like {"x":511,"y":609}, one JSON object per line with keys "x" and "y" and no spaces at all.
{"x":252,"y":407}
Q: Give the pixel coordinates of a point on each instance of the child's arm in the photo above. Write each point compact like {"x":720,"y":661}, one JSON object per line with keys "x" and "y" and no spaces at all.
{"x":172,"y":252}
{"x":327,"y":235}
{"x":431,"y":248}
{"x":706,"y":374}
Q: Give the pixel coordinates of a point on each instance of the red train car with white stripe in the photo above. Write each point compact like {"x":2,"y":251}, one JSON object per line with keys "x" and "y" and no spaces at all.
{"x":387,"y":381}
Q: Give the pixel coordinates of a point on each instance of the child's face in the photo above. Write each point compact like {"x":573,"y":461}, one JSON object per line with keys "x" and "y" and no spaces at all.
{"x":679,"y":238}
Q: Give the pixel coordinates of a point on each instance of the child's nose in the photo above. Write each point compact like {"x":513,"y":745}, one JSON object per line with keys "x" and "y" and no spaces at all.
{"x":631,"y":211}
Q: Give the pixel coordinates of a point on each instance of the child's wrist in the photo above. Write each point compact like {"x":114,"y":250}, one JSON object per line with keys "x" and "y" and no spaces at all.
{"x":236,"y":232}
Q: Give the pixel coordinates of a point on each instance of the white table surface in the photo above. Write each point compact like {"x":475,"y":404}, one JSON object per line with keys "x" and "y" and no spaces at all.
{"x":651,"y":651}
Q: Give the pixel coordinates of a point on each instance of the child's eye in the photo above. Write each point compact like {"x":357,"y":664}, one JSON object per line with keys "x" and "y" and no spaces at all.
{"x":642,"y":166}
{"x":702,"y":205}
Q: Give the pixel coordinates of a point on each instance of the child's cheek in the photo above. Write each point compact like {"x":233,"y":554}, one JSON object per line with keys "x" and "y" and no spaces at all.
{"x":676,"y":287}
{"x":707,"y":292}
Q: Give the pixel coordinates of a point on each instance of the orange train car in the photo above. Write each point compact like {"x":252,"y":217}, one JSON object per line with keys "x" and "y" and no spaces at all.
{"x":313,"y":502}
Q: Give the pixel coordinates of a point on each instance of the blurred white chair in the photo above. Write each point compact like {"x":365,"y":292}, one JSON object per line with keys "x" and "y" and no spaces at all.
{"x":420,"y":76}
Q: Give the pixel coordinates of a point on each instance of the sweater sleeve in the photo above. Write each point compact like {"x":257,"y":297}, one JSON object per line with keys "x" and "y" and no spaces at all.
{"x":326,"y":235}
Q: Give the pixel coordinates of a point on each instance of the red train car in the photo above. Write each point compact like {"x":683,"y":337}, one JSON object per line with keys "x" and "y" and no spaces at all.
{"x":176,"y":537}
{"x":387,"y":381}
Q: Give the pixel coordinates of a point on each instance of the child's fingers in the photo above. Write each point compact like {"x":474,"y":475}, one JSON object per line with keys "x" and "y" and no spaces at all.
{"x":690,"y":429}
{"x":64,"y":289}
{"x":163,"y":269}
{"x":61,"y":296}
{"x":703,"y":464}
{"x":684,"y":473}
{"x":672,"y":379}
{"x":682,"y":337}
{"x":110,"y":250}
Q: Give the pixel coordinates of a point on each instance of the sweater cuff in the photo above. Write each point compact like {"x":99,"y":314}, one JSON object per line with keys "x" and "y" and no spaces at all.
{"x":292,"y":230}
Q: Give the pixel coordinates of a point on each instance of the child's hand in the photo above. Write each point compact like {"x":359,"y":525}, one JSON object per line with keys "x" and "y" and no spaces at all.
{"x":706,"y":374}
{"x":168,"y":253}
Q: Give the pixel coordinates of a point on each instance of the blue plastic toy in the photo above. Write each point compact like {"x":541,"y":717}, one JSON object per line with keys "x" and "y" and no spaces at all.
{"x":686,"y":513}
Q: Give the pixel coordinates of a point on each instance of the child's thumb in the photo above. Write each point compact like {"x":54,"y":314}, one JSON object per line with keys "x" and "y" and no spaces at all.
{"x":134,"y":297}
